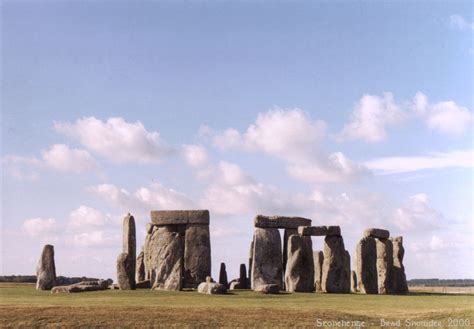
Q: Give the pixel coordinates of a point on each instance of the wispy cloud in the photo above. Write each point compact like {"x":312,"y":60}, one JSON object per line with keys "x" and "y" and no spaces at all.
{"x":459,"y":22}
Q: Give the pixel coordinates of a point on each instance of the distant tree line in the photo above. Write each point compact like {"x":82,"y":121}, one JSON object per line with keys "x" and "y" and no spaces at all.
{"x":60,"y":280}
{"x":441,"y":283}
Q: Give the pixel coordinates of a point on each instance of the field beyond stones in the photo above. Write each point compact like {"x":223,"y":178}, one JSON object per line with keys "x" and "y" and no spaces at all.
{"x":23,"y":306}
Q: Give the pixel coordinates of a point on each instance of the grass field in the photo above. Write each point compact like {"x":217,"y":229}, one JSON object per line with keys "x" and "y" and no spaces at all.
{"x":22,"y":306}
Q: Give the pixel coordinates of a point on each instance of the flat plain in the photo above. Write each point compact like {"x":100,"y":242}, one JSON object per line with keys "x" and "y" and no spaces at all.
{"x":23,"y":306}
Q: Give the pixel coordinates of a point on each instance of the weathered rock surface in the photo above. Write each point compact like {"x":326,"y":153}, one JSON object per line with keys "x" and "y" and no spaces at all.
{"x":335,"y":277}
{"x":384,"y":266}
{"x":267,"y":258}
{"x":268,"y":289}
{"x":211,"y":288}
{"x":145,"y":284}
{"x":82,"y":286}
{"x":333,"y":231}
{"x":223,"y":275}
{"x":46,"y":269}
{"x":124,"y":269}
{"x":140,"y":267}
{"x":318,"y":259}
{"x":377,"y":233}
{"x":179,"y":217}
{"x":286,"y":236}
{"x":197,"y":254}
{"x":280,"y":222}
{"x":299,"y":273}
{"x":129,"y":237}
{"x":243,"y":281}
{"x":353,"y":281}
{"x":400,"y":285}
{"x":167,"y":247}
{"x":366,"y":266}
{"x":312,"y":230}
{"x":147,"y":254}
{"x":250,"y":283}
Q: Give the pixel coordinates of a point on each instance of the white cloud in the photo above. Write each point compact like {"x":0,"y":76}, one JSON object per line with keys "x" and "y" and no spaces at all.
{"x":449,"y":118}
{"x":417,"y":214}
{"x":116,"y":139}
{"x":459,"y":22}
{"x":94,"y":239}
{"x":85,"y":217}
{"x":38,"y":226}
{"x":371,"y":117}
{"x":435,"y":160}
{"x":66,"y":159}
{"x":195,"y":155}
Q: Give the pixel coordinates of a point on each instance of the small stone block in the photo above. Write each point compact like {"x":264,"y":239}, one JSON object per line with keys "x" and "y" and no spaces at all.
{"x":377,"y":233}
{"x":280,"y":222}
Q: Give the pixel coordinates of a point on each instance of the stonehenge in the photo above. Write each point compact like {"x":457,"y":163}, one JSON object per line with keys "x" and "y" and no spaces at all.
{"x":267,"y":267}
{"x":177,"y":250}
{"x":126,"y":261}
{"x":46,"y":269}
{"x":299,"y":273}
{"x":140,"y":268}
{"x":399,"y":279}
{"x":336,"y":266}
{"x":318,"y":259}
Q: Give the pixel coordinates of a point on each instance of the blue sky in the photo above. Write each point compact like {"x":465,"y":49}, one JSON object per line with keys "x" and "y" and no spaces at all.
{"x":350,"y":113}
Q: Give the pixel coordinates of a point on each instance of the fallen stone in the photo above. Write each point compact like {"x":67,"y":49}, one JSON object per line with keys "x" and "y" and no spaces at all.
{"x":46,"y":269}
{"x":211,"y":288}
{"x":145,"y":284}
{"x":377,"y":233}
{"x":82,"y":287}
{"x":400,"y":285}
{"x":179,"y":217}
{"x":299,"y":273}
{"x":335,"y":278}
{"x":267,"y":258}
{"x":384,"y":266}
{"x":167,"y":258}
{"x":353,"y":281}
{"x":140,"y":267}
{"x":318,"y":259}
{"x":268,"y":289}
{"x":366,"y":266}
{"x":197,"y":254}
{"x":312,"y":230}
{"x":280,"y":222}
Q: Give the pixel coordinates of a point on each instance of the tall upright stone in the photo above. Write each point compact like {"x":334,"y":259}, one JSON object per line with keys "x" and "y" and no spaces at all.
{"x":147,"y":250}
{"x":384,"y":266}
{"x":46,"y":269}
{"x":140,"y":267}
{"x":251,"y":262}
{"x":243,"y":281}
{"x":353,"y":281}
{"x":318,"y":259}
{"x":400,"y":285}
{"x":366,"y":266}
{"x":299,"y":273}
{"x":267,"y":258}
{"x":286,"y":236}
{"x":335,"y":278}
{"x":126,"y":280}
{"x":167,"y":244}
{"x":197,"y":254}
{"x":223,"y":275}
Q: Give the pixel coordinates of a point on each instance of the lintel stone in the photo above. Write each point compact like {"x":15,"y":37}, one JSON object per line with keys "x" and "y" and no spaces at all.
{"x":280,"y":222}
{"x":312,"y":230}
{"x":179,"y":217}
{"x":377,"y":233}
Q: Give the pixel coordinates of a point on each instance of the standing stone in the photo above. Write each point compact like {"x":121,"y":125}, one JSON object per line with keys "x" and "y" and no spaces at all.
{"x":267,"y":258}
{"x":400,"y":285}
{"x":46,"y":269}
{"x":147,"y":253}
{"x":167,"y":258}
{"x":347,"y":269}
{"x":335,"y":278}
{"x":299,"y":273}
{"x":251,"y":263}
{"x":140,"y":267}
{"x":353,"y":281}
{"x":366,"y":266}
{"x":286,"y":236}
{"x":125,"y":266}
{"x":197,"y":254}
{"x":384,"y":266}
{"x":243,"y":282}
{"x":318,"y":259}
{"x":223,"y":275}
{"x":126,"y":280}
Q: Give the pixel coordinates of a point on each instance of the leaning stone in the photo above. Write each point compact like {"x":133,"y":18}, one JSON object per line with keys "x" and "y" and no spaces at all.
{"x":400,"y":285}
{"x":223,"y":275}
{"x":267,"y":258}
{"x":366,"y":266}
{"x":353,"y":281}
{"x":140,"y":267}
{"x":312,"y":230}
{"x":268,"y":289}
{"x":335,"y":278}
{"x":299,"y":273}
{"x":124,"y":268}
{"x":333,"y":231}
{"x":145,"y":284}
{"x":243,"y":277}
{"x":280,"y":222}
{"x":46,"y":269}
{"x":377,"y":233}
{"x":384,"y":266}
{"x":318,"y":259}
{"x":211,"y":288}
{"x":197,"y":254}
{"x":179,"y":217}
{"x":167,"y":247}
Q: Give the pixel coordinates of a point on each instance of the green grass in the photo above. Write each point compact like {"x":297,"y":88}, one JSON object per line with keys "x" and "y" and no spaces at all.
{"x":22,"y":306}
